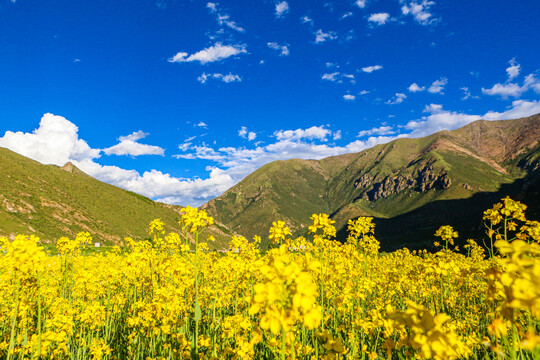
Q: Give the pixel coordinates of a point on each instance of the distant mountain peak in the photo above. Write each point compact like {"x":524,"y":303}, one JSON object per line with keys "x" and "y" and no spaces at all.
{"x":71,"y":168}
{"x":407,"y":181}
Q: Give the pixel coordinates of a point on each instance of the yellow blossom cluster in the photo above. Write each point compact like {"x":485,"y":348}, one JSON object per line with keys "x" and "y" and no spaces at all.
{"x":311,"y":297}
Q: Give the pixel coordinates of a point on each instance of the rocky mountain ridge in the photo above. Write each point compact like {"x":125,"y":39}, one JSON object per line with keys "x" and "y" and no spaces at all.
{"x":390,"y":180}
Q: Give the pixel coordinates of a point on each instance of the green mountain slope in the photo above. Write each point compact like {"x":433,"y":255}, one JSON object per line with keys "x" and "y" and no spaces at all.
{"x":51,"y":201}
{"x":390,"y":181}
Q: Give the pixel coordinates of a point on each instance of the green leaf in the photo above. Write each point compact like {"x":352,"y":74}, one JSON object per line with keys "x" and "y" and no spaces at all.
{"x":198,"y":314}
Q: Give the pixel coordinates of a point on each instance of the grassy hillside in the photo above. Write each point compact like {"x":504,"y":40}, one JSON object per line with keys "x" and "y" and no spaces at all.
{"x":389,"y":181}
{"x":51,"y":201}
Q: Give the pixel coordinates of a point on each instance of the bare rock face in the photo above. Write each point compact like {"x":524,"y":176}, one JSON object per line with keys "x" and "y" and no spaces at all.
{"x":422,"y":180}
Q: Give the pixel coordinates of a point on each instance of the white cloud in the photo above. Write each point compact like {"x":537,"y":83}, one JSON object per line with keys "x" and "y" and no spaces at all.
{"x":346,"y":15}
{"x":202,"y":124}
{"x":349,"y":97}
{"x":433,"y":108}
{"x":321,"y":36}
{"x":244,"y":133}
{"x":222,"y":18}
{"x":55,"y":141}
{"x":283,"y":49}
{"x":364,"y":92}
{"x":466,"y":93}
{"x":379,"y":18}
{"x":532,"y":82}
{"x":204,"y":77}
{"x":383,"y":130}
{"x":397,"y":99}
{"x":415,"y":88}
{"x":504,"y":90}
{"x":449,"y":120}
{"x":210,"y":54}
{"x":201,"y":152}
{"x":370,"y":69}
{"x":513,"y":89}
{"x":419,"y":10}
{"x":338,"y":77}
{"x":161,"y":186}
{"x":513,"y":70}
{"x":128,"y":145}
{"x":314,"y":132}
{"x":331,"y":76}
{"x":291,"y":144}
{"x":282,"y":8}
{"x":231,"y":78}
{"x":438,"y":86}
{"x":519,"y":109}
{"x":360,"y":3}
{"x":306,"y":20}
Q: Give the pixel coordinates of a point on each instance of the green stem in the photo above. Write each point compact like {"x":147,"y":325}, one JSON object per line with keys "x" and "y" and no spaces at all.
{"x":282,"y":344}
{"x":14,"y":322}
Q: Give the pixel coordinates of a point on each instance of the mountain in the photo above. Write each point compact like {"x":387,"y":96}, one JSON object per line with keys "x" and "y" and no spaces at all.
{"x":410,"y":186}
{"x":50,"y":201}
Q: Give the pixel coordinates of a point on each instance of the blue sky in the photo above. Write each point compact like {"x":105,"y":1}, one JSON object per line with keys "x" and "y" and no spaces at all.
{"x":179,"y":100}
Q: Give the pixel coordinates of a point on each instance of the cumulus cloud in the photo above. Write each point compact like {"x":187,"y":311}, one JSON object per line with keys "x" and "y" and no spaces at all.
{"x":282,"y":8}
{"x":437,"y":86}
{"x":222,"y":18}
{"x":397,"y":99}
{"x":518,"y":109}
{"x":382,"y":130}
{"x":414,"y":87}
{"x":202,"y":124}
{"x":370,"y":69}
{"x":513,"y":70}
{"x":331,"y":76}
{"x":349,"y":97}
{"x":419,"y":10}
{"x":379,"y":18}
{"x":321,"y":36}
{"x":433,"y":108}
{"x":210,"y":54}
{"x":55,"y":141}
{"x":204,"y":77}
{"x":346,"y":15}
{"x":244,"y":133}
{"x":504,"y":90}
{"x":338,"y":77}
{"x":283,"y":49}
{"x":512,"y":89}
{"x":128,"y":145}
{"x":314,"y":132}
{"x":441,"y":119}
{"x":360,"y":3}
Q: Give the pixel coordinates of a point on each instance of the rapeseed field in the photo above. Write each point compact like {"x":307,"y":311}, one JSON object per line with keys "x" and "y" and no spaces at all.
{"x":306,"y":298}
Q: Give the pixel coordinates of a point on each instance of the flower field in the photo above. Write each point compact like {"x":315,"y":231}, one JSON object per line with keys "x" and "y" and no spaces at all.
{"x":306,"y":298}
